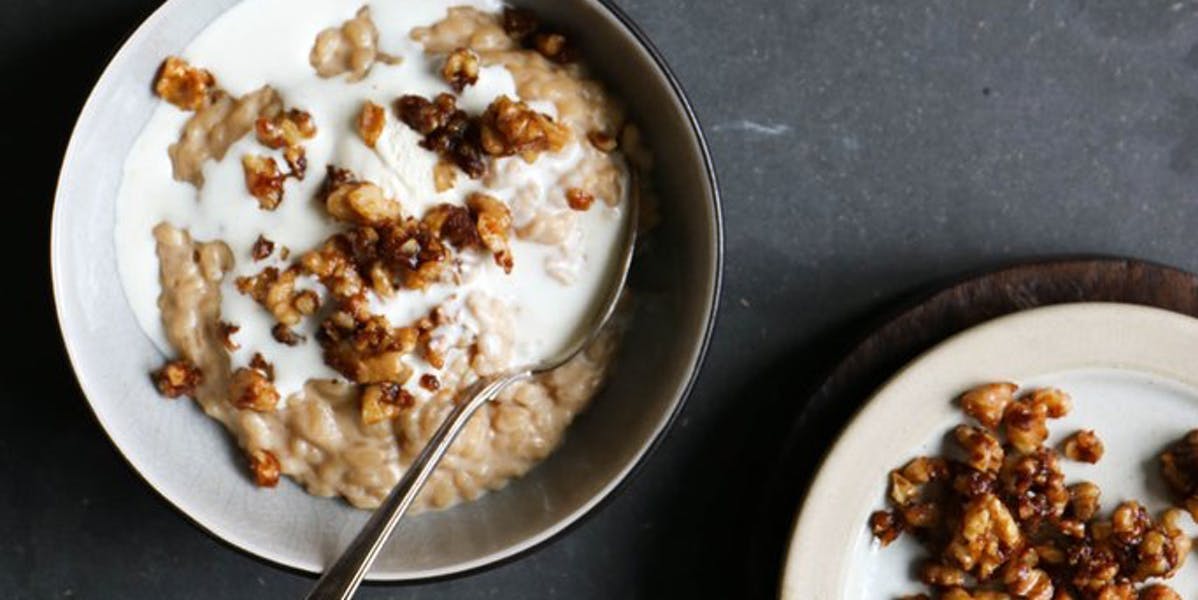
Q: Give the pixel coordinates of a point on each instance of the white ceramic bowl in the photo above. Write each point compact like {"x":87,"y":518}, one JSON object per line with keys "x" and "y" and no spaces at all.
{"x":193,"y":463}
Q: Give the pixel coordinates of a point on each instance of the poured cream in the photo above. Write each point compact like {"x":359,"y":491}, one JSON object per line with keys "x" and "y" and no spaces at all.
{"x":267,"y":42}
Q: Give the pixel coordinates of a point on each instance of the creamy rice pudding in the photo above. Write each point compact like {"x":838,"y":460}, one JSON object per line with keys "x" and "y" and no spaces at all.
{"x":341,"y":215}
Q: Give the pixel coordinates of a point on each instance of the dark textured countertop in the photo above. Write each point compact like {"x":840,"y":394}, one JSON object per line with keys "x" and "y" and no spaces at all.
{"x":865,"y":150}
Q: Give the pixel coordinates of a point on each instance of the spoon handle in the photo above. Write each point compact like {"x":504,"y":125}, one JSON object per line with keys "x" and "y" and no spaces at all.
{"x":341,"y":580}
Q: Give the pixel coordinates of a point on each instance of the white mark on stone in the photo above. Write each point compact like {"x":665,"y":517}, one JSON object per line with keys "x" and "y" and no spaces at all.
{"x":771,"y":129}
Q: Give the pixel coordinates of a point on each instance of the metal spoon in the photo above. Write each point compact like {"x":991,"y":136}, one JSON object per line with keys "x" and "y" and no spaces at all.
{"x":342,"y":579}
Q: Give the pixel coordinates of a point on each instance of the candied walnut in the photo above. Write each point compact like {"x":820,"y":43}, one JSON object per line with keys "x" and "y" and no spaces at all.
{"x":258,"y":363}
{"x":555,"y":47}
{"x":430,"y":382}
{"x":453,"y":224}
{"x":493,"y":221}
{"x":307,"y":302}
{"x":215,"y":127}
{"x":364,"y":347}
{"x":370,"y":122}
{"x":251,"y":389}
{"x":263,"y":179}
{"x":444,"y":176}
{"x":265,"y":467}
{"x":1084,"y":446}
{"x":987,"y":403}
{"x":985,"y":538}
{"x":1159,"y":592}
{"x":351,"y":48}
{"x":970,"y":483}
{"x":1179,"y":468}
{"x":520,"y":23}
{"x":383,"y":401}
{"x":941,"y":575}
{"x":297,"y":161}
{"x":1024,"y":580}
{"x":1026,"y":425}
{"x":447,"y":130}
{"x":460,"y":69}
{"x":177,"y":378}
{"x":183,"y":85}
{"x":602,"y":142}
{"x":262,"y":248}
{"x":984,"y":452}
{"x":578,"y":199}
{"x":227,"y":331}
{"x":1083,"y":500}
{"x":1036,"y":486}
{"x":885,"y":526}
{"x":510,"y":127}
{"x":1055,"y":402}
{"x":285,"y":335}
{"x":906,"y":483}
{"x":286,"y":129}
{"x":276,"y":292}
{"x":361,"y":202}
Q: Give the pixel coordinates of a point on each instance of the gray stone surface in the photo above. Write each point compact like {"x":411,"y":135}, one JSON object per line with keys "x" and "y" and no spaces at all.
{"x":866,"y":149}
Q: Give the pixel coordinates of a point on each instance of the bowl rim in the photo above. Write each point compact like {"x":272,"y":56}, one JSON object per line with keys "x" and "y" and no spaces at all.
{"x":592,"y":506}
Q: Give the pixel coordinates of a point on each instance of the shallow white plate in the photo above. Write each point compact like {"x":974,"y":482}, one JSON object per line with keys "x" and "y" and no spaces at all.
{"x":1133,"y":375}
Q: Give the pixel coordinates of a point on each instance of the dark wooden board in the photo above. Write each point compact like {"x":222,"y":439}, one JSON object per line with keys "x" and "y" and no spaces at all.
{"x":919,"y":325}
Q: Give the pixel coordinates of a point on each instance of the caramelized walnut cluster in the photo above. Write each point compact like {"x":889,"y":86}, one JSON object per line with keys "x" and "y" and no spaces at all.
{"x":524,"y":27}
{"x":1000,"y":521}
{"x":177,"y":378}
{"x":371,"y":121}
{"x":276,"y":291}
{"x":507,"y":128}
{"x":183,"y":85}
{"x":285,"y":131}
{"x":460,"y":69}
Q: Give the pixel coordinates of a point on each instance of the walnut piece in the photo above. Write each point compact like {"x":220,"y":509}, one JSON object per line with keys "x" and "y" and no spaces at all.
{"x":445,"y":175}
{"x":985,"y":538}
{"x":493,"y":220}
{"x":370,"y":122}
{"x":265,"y":467}
{"x":286,"y":129}
{"x":1084,"y":446}
{"x":360,"y":202}
{"x":460,"y":69}
{"x":578,"y":199}
{"x":183,"y":85}
{"x":885,"y":526}
{"x":263,"y":179}
{"x":447,"y":130}
{"x":276,"y":292}
{"x":984,"y":452}
{"x":262,"y":248}
{"x":987,"y":403}
{"x":251,"y":389}
{"x":510,"y":127}
{"x":383,"y":402}
{"x":177,"y":378}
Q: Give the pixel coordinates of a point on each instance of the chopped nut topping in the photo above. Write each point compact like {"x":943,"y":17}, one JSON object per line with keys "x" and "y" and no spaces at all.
{"x":1006,"y":523}
{"x":251,"y":389}
{"x":555,"y":47}
{"x":359,"y":202}
{"x":447,"y":130}
{"x":1084,"y":446}
{"x":177,"y":378}
{"x":511,"y":127}
{"x":578,"y":199}
{"x":383,"y":401}
{"x":523,"y":26}
{"x":430,"y":382}
{"x":1159,"y":592}
{"x":297,"y":161}
{"x":493,"y":220}
{"x":263,"y":179}
{"x":370,"y":122}
{"x":885,"y":526}
{"x":1179,"y":468}
{"x":287,"y":129}
{"x":364,"y":347}
{"x":276,"y":292}
{"x":265,"y":467}
{"x":988,"y":403}
{"x":285,"y":335}
{"x":602,"y":142}
{"x":262,"y":248}
{"x":259,"y":364}
{"x":183,"y":85}
{"x":460,"y":69}
{"x":227,"y":330}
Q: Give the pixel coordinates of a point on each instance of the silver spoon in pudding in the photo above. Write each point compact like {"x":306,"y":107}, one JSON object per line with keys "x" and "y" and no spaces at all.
{"x":342,"y":578}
